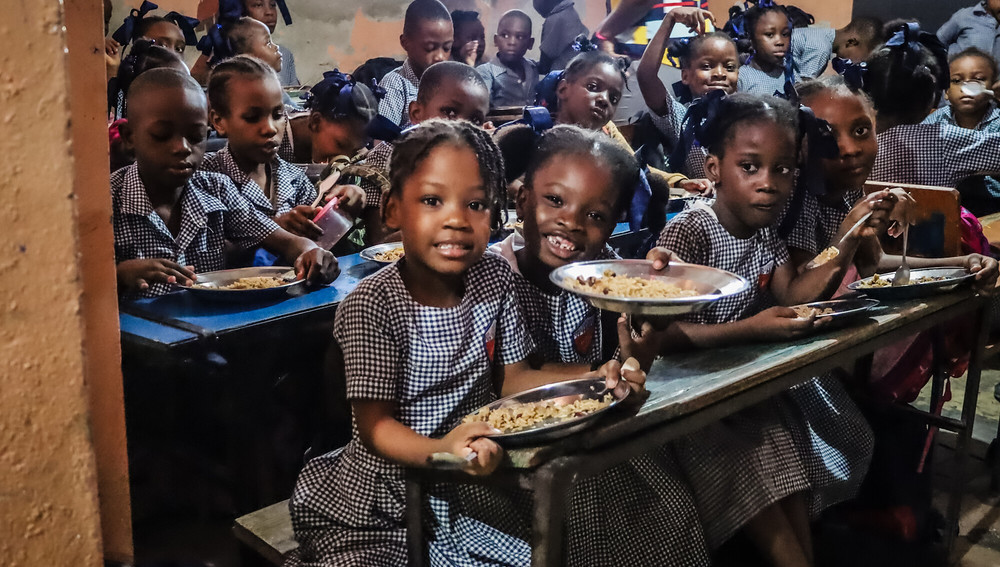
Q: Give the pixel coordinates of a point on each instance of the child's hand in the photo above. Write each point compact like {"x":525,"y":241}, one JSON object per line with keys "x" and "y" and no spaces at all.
{"x":317,"y":266}
{"x":467,"y":52}
{"x":986,"y":271}
{"x":660,"y":257}
{"x":298,"y":221}
{"x":644,"y":347}
{"x":469,"y":437}
{"x":703,"y":187}
{"x":618,"y":376}
{"x":902,"y":211}
{"x":782,"y":323}
{"x":351,"y":199}
{"x":880,"y":204}
{"x":140,"y":273}
{"x":111,"y":47}
{"x":693,"y":18}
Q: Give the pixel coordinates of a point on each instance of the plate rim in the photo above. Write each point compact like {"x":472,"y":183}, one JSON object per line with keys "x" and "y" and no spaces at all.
{"x":856,"y":286}
{"x":369,"y":253}
{"x":871,"y":303}
{"x":277,"y":269}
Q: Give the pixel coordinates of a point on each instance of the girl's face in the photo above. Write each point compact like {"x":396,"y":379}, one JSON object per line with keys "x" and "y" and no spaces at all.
{"x":453,"y":100}
{"x":853,"y":125}
{"x":261,"y":47}
{"x":442,"y":212}
{"x":168,"y":35}
{"x":569,"y":211}
{"x":964,"y":70}
{"x":716,"y":66}
{"x":255,"y":117}
{"x":264,"y":11}
{"x":591,"y":100}
{"x":469,"y":31}
{"x":754,"y":176}
{"x":771,"y":39}
{"x":332,"y":138}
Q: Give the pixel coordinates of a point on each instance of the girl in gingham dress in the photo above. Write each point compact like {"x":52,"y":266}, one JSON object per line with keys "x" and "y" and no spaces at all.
{"x":576,"y":187}
{"x":752,"y":144}
{"x":425,"y":342}
{"x":708,"y":62}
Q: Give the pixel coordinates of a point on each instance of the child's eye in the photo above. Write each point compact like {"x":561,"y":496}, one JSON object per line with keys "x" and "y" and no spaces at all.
{"x":749,"y":167}
{"x":592,"y":87}
{"x":614,"y":98}
{"x":430,"y":201}
{"x":955,"y":80}
{"x":450,"y":113}
{"x":594,"y":215}
{"x":477,"y":206}
{"x":784,"y":170}
{"x":862,"y":132}
{"x":554,"y":200}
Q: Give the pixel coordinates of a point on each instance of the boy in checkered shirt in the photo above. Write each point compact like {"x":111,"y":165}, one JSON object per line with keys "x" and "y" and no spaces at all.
{"x":171,"y":221}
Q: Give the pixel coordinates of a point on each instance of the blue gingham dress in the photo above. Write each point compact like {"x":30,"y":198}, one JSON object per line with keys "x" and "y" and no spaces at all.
{"x":670,"y":126}
{"x":644,"y":497}
{"x":935,"y":154}
{"x":833,"y":438}
{"x":810,"y":51}
{"x":289,"y":185}
{"x":437,"y":365}
{"x":748,"y":461}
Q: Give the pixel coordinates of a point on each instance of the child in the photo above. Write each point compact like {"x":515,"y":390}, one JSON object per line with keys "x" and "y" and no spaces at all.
{"x":266,"y":12}
{"x":511,"y":78}
{"x":172,"y":31}
{"x":708,"y":62}
{"x":246,"y":108}
{"x":170,"y":220}
{"x":449,"y":90}
{"x":426,"y":341}
{"x":975,"y":26}
{"x":577,"y":187}
{"x":339,"y":112}
{"x":561,"y":27}
{"x":427,"y":37}
{"x":781,"y":55}
{"x":761,"y":454}
{"x":976,"y":112}
{"x":470,"y":38}
{"x":855,"y":41}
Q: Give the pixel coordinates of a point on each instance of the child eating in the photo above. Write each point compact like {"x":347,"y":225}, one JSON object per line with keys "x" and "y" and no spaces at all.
{"x":170,"y":220}
{"x":510,"y":77}
{"x":470,"y":38}
{"x":973,"y":72}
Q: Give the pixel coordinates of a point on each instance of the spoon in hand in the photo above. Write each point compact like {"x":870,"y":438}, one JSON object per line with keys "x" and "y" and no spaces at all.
{"x":975,"y":88}
{"x":902,"y":276}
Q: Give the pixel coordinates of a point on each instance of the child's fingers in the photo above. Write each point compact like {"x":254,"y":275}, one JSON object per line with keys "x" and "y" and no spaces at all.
{"x":469,"y":432}
{"x":142,"y":284}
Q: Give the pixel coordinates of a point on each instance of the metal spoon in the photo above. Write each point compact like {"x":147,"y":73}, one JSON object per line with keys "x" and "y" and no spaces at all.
{"x":450,"y":460}
{"x":975,"y":88}
{"x":902,"y":276}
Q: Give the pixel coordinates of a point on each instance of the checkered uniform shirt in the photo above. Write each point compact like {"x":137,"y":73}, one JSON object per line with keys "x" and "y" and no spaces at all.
{"x":811,"y":50}
{"x":378,"y":157}
{"x":934,"y":154}
{"x":670,"y":126}
{"x":506,"y":88}
{"x":289,"y":185}
{"x":287,"y":76}
{"x":971,"y":27}
{"x":818,"y":221}
{"x":989,"y":123}
{"x":400,"y":90}
{"x":436,"y":365}
{"x":212,"y":211}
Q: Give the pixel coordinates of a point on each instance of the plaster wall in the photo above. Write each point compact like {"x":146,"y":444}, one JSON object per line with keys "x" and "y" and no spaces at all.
{"x":48,"y":481}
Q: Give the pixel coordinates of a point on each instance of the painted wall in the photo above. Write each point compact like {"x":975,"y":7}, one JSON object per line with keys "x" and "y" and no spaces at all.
{"x":48,"y":477}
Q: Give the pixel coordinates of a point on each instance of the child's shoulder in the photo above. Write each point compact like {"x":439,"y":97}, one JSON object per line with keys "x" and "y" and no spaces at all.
{"x":374,"y":292}
{"x":491,"y":270}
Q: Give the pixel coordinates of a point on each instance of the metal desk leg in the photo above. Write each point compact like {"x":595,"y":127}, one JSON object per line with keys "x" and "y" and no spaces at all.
{"x":968,"y":421}
{"x":416,"y":544}
{"x":553,"y":489}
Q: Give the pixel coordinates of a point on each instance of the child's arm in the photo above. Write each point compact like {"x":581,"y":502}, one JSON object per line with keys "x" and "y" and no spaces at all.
{"x":385,"y":436}
{"x":520,"y":376}
{"x":311,"y":262}
{"x":774,"y":324}
{"x":140,"y":273}
{"x":647,"y":73}
{"x":948,"y":32}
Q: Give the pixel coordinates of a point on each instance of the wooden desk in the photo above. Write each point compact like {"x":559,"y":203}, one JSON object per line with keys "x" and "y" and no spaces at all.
{"x":691,"y":390}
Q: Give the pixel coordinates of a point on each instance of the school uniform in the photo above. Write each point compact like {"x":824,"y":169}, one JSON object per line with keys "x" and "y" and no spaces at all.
{"x":287,"y":76}
{"x":811,"y":50}
{"x":934,"y":154}
{"x":400,"y":86}
{"x":559,"y":30}
{"x":289,"y":185}
{"x":437,"y":365}
{"x":377,"y":158}
{"x":506,"y":87}
{"x":818,"y":222}
{"x":945,"y":115}
{"x":212,"y":211}
{"x":980,"y":193}
{"x":737,"y":466}
{"x":756,"y":81}
{"x":971,"y":27}
{"x":670,"y":126}
{"x":643,"y":497}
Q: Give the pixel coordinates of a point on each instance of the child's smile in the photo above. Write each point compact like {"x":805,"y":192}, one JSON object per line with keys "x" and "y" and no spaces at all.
{"x":715,"y":67}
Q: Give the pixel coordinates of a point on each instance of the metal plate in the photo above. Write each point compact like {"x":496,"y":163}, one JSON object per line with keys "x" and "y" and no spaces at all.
{"x":370,"y":252}
{"x":711,"y":284}
{"x":568,"y":392}
{"x":954,"y":277}
{"x":844,"y":310}
{"x":225,"y":277}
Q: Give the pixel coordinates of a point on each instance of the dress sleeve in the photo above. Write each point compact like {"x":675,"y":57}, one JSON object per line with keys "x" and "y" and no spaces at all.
{"x":948,"y":32}
{"x":244,"y":225}
{"x":512,"y":334}
{"x":683,"y":237}
{"x":811,"y":50}
{"x":394,"y":100}
{"x":373,"y":359}
{"x":305,"y":191}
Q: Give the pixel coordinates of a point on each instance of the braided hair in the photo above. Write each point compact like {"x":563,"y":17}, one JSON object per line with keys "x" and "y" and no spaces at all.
{"x":418,"y":142}
{"x":144,"y":55}
{"x":243,"y":66}
{"x":340,"y":97}
{"x":716,"y":130}
{"x":905,"y":81}
{"x":835,"y":84}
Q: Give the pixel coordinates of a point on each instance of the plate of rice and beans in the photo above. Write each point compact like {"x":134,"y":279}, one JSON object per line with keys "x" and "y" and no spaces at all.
{"x":246,"y":284}
{"x":633,"y":286}
{"x":837,"y":310}
{"x":923,"y":282}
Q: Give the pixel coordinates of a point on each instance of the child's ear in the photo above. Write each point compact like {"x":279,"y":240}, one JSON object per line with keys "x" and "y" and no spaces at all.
{"x":391,"y":213}
{"x":685,"y":76}
{"x":127,"y":134}
{"x":496,"y":39}
{"x":521,"y":199}
{"x":218,"y":122}
{"x":414,"y":111}
{"x":314,"y":121}
{"x":531,"y":43}
{"x":561,"y":88}
{"x":712,"y":168}
{"x":404,"y":42}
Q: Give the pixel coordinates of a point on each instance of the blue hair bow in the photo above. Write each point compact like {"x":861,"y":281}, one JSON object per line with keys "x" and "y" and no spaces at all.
{"x":545,"y":91}
{"x":125,"y":34}
{"x":696,"y":127}
{"x":538,"y":118}
{"x":907,"y":41}
{"x":682,"y":92}
{"x":583,"y":44}
{"x":853,"y":73}
{"x":186,"y":24}
{"x":736,"y":26}
{"x":216,"y":44}
{"x":332,"y":95}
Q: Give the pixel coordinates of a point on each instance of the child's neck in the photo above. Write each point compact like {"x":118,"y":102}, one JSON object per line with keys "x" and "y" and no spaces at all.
{"x":159,"y":194}
{"x":303,"y":147}
{"x":246,"y":164}
{"x":731,"y":222}
{"x":535,"y":271}
{"x":431,"y":288}
{"x":765,"y":66}
{"x":970,"y":121}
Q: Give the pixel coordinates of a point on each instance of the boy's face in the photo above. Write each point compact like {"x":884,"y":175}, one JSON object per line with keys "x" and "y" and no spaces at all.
{"x":265,"y":11}
{"x":964,"y":70}
{"x":512,"y":40}
{"x":168,"y":35}
{"x":470,"y":31}
{"x":255,"y":117}
{"x":453,"y":100}
{"x":263,"y":48}
{"x":429,"y":43}
{"x":167,"y":127}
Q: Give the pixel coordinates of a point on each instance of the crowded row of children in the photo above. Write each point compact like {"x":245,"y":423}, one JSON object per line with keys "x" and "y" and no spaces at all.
{"x":458,"y":322}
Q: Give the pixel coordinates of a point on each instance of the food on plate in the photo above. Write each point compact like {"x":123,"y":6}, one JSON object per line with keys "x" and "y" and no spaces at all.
{"x":611,"y":283}
{"x":516,"y":417}
{"x":825,"y":256}
{"x":389,"y":255}
{"x":877,"y":281}
{"x":805,"y":312}
{"x":254,"y":282}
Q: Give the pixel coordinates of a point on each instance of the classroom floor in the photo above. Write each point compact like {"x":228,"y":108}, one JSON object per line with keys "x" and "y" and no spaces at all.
{"x":184,"y":537}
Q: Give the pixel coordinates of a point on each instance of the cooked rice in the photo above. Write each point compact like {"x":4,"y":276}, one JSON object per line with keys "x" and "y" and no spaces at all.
{"x":253,"y":282}
{"x":825,"y":256}
{"x":517,"y":417}
{"x":876,"y":281}
{"x":628,"y":286}
{"x":390,"y":255}
{"x":805,"y":312}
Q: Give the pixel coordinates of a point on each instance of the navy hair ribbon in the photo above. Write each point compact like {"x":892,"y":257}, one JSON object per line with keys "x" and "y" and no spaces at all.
{"x":583,"y":44}
{"x":907,"y":41}
{"x":186,"y":24}
{"x":216,"y":44}
{"x":125,"y":33}
{"x":820,"y":144}
{"x":695,"y":126}
{"x":853,"y":73}
{"x":538,"y":118}
{"x":545,"y":91}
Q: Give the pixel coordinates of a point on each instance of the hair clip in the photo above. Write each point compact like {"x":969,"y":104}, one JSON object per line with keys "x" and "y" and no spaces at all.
{"x":583,"y":44}
{"x":125,"y":33}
